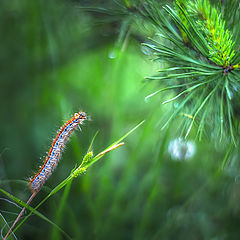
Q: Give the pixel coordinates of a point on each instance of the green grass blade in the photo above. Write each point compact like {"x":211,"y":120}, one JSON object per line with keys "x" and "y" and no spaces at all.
{"x":96,"y":158}
{"x":32,"y":210}
{"x":71,"y":176}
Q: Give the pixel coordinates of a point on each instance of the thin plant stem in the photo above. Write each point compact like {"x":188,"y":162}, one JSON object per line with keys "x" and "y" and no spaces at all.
{"x":19,"y":215}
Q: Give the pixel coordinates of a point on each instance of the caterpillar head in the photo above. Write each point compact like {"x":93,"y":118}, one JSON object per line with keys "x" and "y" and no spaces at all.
{"x":80,"y":116}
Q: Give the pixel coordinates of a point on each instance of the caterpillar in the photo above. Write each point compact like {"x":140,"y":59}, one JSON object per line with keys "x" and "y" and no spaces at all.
{"x":51,"y":161}
{"x":55,"y":152}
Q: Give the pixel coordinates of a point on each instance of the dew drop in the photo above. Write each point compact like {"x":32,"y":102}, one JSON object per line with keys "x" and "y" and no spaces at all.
{"x":112,"y":54}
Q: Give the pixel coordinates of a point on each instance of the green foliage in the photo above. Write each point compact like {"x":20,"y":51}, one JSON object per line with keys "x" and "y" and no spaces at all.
{"x":18,"y":201}
{"x":211,"y":23}
{"x":87,"y":161}
{"x":57,"y":59}
{"x":201,"y":65}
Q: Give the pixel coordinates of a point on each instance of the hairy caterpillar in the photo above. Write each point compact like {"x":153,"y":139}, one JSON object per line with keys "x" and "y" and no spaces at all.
{"x":52,"y":159}
{"x":55,"y":152}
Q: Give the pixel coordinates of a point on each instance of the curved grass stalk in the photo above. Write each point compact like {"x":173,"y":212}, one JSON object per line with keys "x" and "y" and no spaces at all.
{"x":182,"y":75}
{"x":183,"y":68}
{"x":201,"y":106}
{"x":87,"y":161}
{"x":179,"y":109}
{"x":221,"y":114}
{"x":202,"y":122}
{"x":168,"y":88}
{"x":229,"y":112}
{"x":187,"y":90}
{"x":26,"y":206}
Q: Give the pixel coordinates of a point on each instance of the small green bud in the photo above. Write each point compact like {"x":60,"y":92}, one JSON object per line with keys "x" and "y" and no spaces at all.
{"x":79,"y":171}
{"x":87,"y":158}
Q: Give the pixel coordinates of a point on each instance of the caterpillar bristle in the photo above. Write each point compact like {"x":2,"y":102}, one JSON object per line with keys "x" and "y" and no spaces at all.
{"x":55,"y":152}
{"x":30,"y":179}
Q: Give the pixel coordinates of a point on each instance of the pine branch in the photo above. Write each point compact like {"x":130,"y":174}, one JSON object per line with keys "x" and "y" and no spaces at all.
{"x":200,"y":58}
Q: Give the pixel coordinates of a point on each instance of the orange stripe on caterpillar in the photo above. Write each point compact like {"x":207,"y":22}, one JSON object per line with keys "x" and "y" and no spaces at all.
{"x":55,"y":152}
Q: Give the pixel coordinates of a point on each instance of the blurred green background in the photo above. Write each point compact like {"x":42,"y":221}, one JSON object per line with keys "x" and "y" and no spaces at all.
{"x":57,"y":59}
